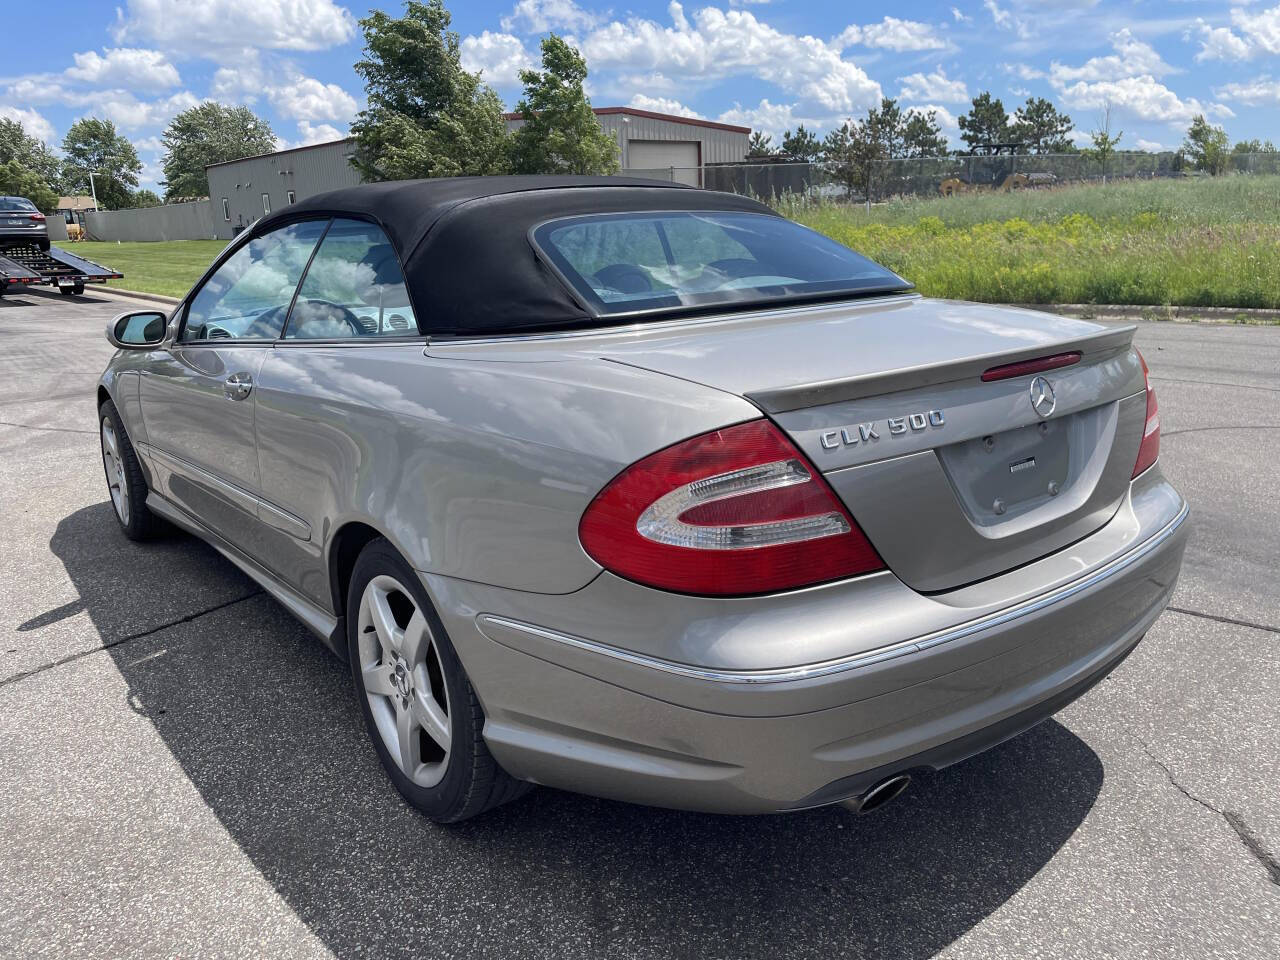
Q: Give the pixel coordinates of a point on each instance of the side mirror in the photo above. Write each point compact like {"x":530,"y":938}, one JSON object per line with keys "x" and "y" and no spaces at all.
{"x":139,"y":330}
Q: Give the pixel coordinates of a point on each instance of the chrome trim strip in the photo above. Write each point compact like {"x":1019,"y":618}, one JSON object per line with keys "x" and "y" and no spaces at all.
{"x":829,"y":667}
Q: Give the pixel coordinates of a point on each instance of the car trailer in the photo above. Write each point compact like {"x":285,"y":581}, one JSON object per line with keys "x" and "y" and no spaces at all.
{"x":28,"y":265}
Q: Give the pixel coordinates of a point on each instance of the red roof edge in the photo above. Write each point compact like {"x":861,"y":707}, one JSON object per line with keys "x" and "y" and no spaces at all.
{"x":653,"y":115}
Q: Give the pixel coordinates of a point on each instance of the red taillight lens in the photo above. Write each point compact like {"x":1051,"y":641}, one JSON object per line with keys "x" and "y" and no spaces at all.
{"x":1150,"y":448}
{"x":37,"y":216}
{"x":732,"y":512}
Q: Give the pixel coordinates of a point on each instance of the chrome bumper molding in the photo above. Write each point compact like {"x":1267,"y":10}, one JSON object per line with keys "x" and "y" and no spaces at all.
{"x":856,"y":661}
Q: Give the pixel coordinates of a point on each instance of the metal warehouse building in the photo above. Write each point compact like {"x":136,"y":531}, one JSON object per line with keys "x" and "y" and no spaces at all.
{"x":664,"y":145}
{"x":649,"y":144}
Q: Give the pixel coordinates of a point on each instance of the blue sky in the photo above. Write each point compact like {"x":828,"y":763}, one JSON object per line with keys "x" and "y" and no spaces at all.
{"x":768,"y":64}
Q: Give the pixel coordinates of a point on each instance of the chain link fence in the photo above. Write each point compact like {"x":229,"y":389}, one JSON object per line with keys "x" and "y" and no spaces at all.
{"x":943,"y":176}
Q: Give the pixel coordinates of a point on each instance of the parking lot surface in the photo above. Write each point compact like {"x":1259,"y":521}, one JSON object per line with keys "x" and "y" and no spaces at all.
{"x":185,"y":774}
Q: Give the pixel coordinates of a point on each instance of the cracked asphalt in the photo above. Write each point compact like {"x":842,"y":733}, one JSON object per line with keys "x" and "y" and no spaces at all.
{"x":184,"y":773}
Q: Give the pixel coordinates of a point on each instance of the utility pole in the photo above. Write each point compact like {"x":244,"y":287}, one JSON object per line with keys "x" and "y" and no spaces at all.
{"x":94,"y":191}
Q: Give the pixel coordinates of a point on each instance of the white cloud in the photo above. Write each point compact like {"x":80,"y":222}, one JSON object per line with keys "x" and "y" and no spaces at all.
{"x":128,"y":67}
{"x":152,"y":144}
{"x":197,"y":28}
{"x":1005,"y":20}
{"x":129,"y":113}
{"x":1255,"y":92}
{"x":539,"y":16}
{"x":663,"y":105}
{"x":1144,"y":97}
{"x":960,"y":17}
{"x":1259,"y":34}
{"x":945,"y":118}
{"x":317,"y":133}
{"x":497,"y":57}
{"x":1023,"y":71}
{"x":306,"y":98}
{"x":1133,"y":58}
{"x":1150,"y":146}
{"x":32,"y":122}
{"x":770,"y":118}
{"x":749,"y":3}
{"x":893,"y":34}
{"x":717,"y":44}
{"x":933,"y":86}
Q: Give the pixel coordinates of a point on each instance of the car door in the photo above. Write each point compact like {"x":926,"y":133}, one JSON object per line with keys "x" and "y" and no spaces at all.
{"x":337,"y":380}
{"x":198,"y":396}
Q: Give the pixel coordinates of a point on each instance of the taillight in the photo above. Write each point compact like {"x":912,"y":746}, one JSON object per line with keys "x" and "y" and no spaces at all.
{"x":1150,"y":448}
{"x":37,"y":216}
{"x":732,"y":512}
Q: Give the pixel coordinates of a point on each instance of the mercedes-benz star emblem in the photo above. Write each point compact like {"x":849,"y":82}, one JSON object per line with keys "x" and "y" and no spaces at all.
{"x":1042,"y":399}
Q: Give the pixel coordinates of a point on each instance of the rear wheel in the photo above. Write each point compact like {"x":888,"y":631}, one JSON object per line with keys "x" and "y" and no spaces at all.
{"x":74,"y":290}
{"x":125,"y":482}
{"x":418,"y":705}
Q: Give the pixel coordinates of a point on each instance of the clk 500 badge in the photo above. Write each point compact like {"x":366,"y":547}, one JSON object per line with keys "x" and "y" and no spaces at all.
{"x":896,"y":426}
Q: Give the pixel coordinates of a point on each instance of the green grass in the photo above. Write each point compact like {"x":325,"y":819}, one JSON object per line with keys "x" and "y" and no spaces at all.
{"x":168,"y":268}
{"x":1198,"y":243}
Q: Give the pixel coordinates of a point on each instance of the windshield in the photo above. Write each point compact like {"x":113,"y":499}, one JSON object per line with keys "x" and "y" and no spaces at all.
{"x":634,"y":262}
{"x":14,"y":204}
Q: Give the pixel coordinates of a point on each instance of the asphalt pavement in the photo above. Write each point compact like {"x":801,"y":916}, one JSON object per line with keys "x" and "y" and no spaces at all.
{"x":183,"y":772}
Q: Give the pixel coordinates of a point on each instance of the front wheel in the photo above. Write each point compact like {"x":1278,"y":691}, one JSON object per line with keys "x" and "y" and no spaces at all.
{"x":418,"y":705}
{"x":125,"y":482}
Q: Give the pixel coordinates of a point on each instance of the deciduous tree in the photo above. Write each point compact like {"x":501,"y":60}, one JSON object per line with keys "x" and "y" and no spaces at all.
{"x":18,"y":181}
{"x":560,"y":134}
{"x":204,"y":134}
{"x":93,"y":146}
{"x":426,"y":116}
{"x":1206,"y":146}
{"x":30,"y":153}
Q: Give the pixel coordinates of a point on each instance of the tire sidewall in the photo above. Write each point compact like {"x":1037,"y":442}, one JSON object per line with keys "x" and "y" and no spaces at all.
{"x":446,"y":800}
{"x":135,"y":486}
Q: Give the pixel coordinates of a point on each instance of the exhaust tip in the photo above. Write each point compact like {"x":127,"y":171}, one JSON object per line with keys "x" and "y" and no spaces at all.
{"x":883,"y":792}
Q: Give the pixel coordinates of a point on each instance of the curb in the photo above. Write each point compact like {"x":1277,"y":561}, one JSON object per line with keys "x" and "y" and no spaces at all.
{"x":1107,"y":311}
{"x":138,"y":295}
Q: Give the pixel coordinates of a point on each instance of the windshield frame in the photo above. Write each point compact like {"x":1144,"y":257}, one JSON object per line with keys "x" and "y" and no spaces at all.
{"x":586,"y":298}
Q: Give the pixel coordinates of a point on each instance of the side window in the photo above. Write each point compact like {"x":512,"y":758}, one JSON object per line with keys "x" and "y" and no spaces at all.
{"x":353,"y":288}
{"x":248,"y":297}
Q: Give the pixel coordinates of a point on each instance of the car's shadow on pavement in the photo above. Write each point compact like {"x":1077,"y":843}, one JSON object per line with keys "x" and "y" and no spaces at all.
{"x":263,"y":721}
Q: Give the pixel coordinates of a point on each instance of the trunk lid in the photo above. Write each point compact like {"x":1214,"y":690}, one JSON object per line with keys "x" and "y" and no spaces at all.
{"x":953,"y":479}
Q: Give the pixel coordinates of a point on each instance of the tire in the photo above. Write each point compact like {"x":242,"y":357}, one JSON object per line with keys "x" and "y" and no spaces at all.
{"x":126,"y":485}
{"x":417,"y":685}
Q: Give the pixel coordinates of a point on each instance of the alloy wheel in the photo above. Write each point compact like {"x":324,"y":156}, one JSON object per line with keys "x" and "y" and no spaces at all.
{"x":403,"y":680}
{"x":117,"y":483}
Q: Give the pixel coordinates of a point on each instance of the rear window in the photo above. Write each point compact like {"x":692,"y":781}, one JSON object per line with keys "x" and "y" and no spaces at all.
{"x":637,"y":262}
{"x":14,"y":204}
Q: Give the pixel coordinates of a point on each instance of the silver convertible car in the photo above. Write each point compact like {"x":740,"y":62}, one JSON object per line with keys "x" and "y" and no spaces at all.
{"x":647,"y":492}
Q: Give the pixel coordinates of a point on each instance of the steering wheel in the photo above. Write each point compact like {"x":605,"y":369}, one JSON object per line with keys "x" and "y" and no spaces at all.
{"x":326,"y":310}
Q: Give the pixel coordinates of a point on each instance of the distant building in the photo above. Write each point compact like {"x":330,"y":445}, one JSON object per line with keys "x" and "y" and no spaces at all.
{"x":649,"y":145}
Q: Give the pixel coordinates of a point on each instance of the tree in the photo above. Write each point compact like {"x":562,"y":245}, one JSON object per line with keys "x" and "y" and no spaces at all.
{"x":1104,"y":144}
{"x":426,"y":116}
{"x":853,"y":152}
{"x":18,"y":181}
{"x":760,"y":145}
{"x":802,"y":145}
{"x":1039,"y":126}
{"x":985,"y":125}
{"x":889,"y":126}
{"x":1206,"y":146}
{"x":1254,"y":146}
{"x":204,"y":134}
{"x":560,"y":134}
{"x":921,"y":135}
{"x":144,"y":198}
{"x":93,"y":146}
{"x":17,"y":146}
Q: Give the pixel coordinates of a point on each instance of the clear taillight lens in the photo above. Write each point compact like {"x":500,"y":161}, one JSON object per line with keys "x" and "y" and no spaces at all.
{"x":1150,"y":448}
{"x":732,"y":512}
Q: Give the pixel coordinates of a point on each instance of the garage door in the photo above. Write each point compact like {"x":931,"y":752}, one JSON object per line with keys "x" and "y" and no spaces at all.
{"x":658,"y":157}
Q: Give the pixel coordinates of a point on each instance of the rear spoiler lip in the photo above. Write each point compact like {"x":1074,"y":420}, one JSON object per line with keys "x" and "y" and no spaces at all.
{"x":1093,"y":347}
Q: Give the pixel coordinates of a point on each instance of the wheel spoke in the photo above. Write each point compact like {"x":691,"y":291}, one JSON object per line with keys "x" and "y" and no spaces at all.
{"x":417,"y":638}
{"x":377,"y":680}
{"x":428,"y":714}
{"x":384,"y":622}
{"x":407,"y":735}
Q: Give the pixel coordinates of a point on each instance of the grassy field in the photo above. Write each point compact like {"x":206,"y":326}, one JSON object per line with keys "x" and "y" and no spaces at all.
{"x":1199,"y":243}
{"x":168,"y":268}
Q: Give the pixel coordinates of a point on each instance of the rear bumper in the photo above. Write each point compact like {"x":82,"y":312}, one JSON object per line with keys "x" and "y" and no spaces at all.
{"x":619,"y":720}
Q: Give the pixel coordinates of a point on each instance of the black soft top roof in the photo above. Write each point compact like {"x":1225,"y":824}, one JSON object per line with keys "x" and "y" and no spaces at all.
{"x":464,"y":242}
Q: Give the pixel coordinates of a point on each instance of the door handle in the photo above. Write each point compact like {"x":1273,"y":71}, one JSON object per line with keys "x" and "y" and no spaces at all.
{"x":238,"y":386}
